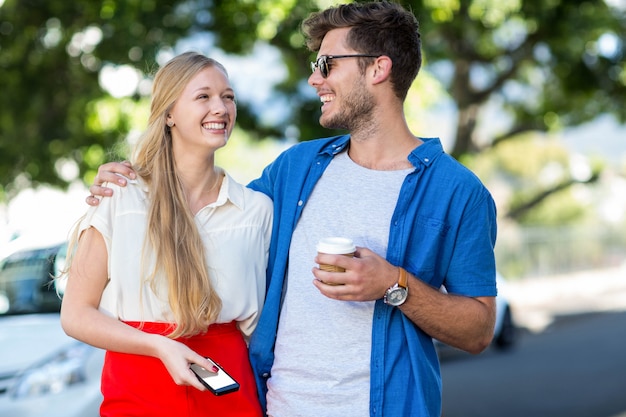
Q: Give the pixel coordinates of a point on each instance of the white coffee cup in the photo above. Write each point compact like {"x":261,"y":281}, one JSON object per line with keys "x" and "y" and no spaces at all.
{"x":335,"y":246}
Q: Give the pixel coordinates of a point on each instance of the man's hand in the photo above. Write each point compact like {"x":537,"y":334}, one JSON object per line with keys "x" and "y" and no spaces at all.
{"x":108,"y":173}
{"x":366,"y":278}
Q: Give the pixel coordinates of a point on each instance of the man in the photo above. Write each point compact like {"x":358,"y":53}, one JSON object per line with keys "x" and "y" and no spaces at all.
{"x":359,"y":342}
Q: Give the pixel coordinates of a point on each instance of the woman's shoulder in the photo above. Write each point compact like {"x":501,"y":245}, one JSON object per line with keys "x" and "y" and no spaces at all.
{"x":255,"y":196}
{"x":135,"y":190}
{"x":249,"y":195}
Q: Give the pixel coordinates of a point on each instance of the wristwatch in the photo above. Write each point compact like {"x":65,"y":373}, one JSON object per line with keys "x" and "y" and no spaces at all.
{"x":397,"y":294}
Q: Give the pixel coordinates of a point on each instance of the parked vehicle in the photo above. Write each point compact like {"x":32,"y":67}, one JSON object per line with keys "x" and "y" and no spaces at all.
{"x":43,"y":372}
{"x":505,"y":333}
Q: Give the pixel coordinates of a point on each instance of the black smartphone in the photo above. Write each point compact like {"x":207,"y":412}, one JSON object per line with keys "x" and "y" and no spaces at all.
{"x":219,"y":383}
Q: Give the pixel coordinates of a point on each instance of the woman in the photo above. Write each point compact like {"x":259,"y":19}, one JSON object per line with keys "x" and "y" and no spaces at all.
{"x":172,"y":268}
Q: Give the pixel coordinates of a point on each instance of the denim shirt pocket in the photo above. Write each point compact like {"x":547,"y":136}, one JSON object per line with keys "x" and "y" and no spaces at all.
{"x":427,"y":250}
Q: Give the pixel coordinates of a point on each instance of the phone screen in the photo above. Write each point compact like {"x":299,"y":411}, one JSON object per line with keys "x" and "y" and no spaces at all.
{"x":219,"y":383}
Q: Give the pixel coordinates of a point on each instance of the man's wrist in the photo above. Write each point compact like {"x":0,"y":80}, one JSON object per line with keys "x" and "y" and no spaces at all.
{"x":397,"y":294}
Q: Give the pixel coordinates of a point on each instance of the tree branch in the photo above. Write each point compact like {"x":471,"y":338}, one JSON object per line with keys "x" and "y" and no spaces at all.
{"x":517,"y":212}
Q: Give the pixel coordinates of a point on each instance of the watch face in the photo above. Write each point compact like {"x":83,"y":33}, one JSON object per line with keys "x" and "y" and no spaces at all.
{"x":396,"y":296}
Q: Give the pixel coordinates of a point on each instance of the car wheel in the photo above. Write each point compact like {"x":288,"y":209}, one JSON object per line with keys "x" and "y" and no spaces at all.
{"x":505,"y":339}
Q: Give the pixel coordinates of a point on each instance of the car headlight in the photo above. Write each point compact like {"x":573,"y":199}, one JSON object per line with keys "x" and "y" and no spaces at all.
{"x":55,"y":374}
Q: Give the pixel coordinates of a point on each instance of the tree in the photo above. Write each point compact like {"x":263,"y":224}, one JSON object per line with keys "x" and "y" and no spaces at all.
{"x":51,"y":53}
{"x":547,"y":65}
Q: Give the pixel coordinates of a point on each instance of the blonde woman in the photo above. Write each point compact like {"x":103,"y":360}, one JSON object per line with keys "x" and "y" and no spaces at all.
{"x":172,"y":268}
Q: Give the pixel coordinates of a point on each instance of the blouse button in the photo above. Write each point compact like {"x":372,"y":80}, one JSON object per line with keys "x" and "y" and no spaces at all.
{"x":300,"y":203}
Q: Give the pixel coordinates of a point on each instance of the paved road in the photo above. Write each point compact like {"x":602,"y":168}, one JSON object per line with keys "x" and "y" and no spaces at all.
{"x":570,"y":360}
{"x":575,"y":368}
{"x":537,"y":301}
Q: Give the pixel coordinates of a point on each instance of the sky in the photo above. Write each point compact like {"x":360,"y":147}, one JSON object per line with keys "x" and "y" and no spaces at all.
{"x":41,"y":217}
{"x":603,"y":137}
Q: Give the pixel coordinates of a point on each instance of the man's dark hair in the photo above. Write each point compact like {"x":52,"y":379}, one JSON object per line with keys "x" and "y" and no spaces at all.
{"x":377,"y":28}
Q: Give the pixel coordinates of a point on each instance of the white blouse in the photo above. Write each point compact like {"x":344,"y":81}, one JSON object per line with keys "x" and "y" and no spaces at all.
{"x":236,"y":232}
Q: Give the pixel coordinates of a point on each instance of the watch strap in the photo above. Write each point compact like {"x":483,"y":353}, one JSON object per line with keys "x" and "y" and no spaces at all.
{"x":399,"y":289}
{"x":403,"y":279}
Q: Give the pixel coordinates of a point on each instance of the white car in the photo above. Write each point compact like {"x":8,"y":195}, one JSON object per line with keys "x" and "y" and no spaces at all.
{"x":43,"y":372}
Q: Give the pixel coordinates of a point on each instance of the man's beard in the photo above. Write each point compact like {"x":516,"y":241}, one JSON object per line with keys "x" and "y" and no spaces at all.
{"x":356,"y":110}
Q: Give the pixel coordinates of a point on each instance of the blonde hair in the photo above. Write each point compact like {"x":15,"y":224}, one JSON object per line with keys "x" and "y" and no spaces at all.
{"x":172,"y":234}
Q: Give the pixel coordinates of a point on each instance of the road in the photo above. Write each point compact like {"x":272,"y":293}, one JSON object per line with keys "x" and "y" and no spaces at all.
{"x":576,"y":367}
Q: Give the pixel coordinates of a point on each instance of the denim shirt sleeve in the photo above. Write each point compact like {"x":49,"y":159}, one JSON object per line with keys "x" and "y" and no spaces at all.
{"x":443,"y":232}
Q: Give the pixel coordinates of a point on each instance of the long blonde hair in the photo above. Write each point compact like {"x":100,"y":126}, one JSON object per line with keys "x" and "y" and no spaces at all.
{"x":172,"y":233}
{"x":172,"y":237}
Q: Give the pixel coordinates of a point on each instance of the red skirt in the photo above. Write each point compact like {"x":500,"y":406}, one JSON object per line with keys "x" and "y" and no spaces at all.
{"x":136,"y":385}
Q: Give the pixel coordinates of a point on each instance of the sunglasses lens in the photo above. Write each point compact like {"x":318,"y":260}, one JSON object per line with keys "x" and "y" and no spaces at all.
{"x":322,"y":63}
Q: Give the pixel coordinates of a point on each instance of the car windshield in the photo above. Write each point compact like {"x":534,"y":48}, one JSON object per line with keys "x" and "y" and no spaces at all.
{"x":27,"y":282}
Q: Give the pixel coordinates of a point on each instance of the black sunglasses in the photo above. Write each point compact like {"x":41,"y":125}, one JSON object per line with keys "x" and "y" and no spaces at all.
{"x":322,"y":62}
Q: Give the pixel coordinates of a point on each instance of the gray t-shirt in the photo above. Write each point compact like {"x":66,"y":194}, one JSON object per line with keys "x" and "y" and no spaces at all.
{"x":323,"y":347}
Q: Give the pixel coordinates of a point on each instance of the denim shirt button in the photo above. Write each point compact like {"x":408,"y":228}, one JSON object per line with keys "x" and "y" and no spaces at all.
{"x":300,"y":203}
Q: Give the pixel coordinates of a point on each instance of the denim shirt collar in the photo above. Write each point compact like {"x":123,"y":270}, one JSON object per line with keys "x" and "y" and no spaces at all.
{"x":424,"y":154}
{"x":336,"y":145}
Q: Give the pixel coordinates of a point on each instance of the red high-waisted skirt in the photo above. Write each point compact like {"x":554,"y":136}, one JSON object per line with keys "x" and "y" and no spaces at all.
{"x":135,"y":385}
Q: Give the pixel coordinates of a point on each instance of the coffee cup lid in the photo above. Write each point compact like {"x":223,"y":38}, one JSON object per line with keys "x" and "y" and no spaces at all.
{"x":336,"y":245}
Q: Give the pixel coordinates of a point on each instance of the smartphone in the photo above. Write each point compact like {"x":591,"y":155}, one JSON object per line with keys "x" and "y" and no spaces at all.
{"x":219,"y":383}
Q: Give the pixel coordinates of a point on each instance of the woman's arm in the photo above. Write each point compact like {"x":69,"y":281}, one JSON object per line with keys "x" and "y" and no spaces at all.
{"x":82,"y":319}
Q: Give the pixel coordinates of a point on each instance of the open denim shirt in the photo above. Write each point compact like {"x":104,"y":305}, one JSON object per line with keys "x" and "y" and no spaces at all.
{"x":443,"y":231}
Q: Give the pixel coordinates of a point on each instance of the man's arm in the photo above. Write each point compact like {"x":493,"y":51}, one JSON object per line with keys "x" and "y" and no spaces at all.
{"x":108,"y":173}
{"x":463,"y":322}
{"x":466,"y":323}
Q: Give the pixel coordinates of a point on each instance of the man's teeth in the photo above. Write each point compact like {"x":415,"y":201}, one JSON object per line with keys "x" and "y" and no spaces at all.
{"x":326,"y":99}
{"x":214,"y":126}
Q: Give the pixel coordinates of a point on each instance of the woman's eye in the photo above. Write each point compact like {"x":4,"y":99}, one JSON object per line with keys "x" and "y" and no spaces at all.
{"x":229,"y":97}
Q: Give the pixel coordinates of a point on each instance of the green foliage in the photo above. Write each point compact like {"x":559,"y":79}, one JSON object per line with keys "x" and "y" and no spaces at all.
{"x":558,"y":57}
{"x":50,"y":56}
{"x":546,"y":63}
{"x":520,"y":170}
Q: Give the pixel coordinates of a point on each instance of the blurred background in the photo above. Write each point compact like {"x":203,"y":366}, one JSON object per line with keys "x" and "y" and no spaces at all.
{"x":529,"y":95}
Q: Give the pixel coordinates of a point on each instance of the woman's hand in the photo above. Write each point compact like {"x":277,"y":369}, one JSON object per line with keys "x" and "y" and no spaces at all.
{"x":177,"y":359}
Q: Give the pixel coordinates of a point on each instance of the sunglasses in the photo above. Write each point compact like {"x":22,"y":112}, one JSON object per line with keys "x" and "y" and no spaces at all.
{"x":323,"y":62}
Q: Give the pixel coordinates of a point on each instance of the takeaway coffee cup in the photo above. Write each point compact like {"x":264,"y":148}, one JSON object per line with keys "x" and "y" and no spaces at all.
{"x":335,"y":246}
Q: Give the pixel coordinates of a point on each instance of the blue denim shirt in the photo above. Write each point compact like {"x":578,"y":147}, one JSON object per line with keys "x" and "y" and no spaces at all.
{"x":443,"y":231}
